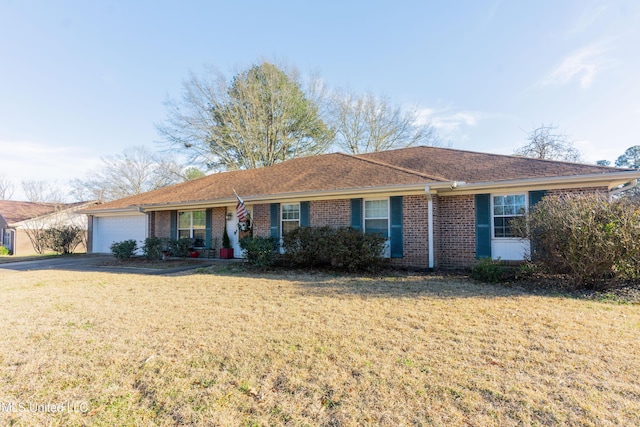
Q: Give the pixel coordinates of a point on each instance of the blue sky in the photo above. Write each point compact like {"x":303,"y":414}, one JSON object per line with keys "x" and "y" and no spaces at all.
{"x":84,"y":79}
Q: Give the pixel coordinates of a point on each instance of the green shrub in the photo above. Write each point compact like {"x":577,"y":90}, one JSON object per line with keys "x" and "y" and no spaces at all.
{"x":180,"y":247}
{"x":259,"y":251}
{"x":152,"y":248}
{"x":309,"y":246}
{"x":487,"y":270}
{"x":594,"y":241}
{"x":343,"y":248}
{"x":125,"y":249}
{"x":63,"y":239}
{"x":3,"y":250}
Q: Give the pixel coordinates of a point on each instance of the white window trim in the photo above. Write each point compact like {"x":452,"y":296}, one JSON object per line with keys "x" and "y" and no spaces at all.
{"x":191,"y":228}
{"x":386,"y":251}
{"x":282,"y":220}
{"x":526,"y":210}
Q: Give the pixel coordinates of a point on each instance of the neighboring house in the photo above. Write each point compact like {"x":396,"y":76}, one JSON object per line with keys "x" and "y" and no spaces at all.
{"x":17,"y":219}
{"x":438,"y":207}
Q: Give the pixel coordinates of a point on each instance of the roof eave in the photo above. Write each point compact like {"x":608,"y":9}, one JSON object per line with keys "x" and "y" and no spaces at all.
{"x":405,"y":189}
{"x":610,"y":180}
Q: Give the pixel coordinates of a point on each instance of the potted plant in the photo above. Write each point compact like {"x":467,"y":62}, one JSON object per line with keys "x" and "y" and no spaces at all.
{"x":226,"y":252}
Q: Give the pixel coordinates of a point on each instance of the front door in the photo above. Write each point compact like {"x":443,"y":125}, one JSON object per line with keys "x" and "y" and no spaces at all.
{"x":234,"y":233}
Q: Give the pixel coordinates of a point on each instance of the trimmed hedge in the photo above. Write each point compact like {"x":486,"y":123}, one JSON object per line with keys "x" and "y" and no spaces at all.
{"x":343,"y":248}
{"x":125,"y":249}
{"x":259,"y":251}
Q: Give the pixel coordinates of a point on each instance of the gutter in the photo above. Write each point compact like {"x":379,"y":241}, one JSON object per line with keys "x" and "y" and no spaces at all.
{"x":599,"y":179}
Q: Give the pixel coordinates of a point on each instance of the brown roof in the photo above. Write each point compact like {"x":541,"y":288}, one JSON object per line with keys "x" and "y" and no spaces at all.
{"x":306,"y":174}
{"x":14,"y":211}
{"x":329,"y":172}
{"x":469,"y":166}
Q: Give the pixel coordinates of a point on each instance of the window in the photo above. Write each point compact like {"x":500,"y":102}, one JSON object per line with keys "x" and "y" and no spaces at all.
{"x":192,"y":225}
{"x":376,"y":217}
{"x":290,"y":217}
{"x":505,"y":208}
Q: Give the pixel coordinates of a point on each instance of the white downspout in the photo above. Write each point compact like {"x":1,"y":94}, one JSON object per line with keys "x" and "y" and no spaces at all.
{"x":427,"y":190}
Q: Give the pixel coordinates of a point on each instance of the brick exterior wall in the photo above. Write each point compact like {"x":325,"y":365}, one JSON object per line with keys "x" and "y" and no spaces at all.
{"x":334,"y":213}
{"x":161,"y":224}
{"x":456,"y":237}
{"x":585,"y":190}
{"x":415,"y":232}
{"x":262,"y":220}
{"x":454,"y":226}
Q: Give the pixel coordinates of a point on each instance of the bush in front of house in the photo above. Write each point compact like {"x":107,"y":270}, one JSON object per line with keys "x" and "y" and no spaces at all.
{"x":343,"y":248}
{"x":63,"y":239}
{"x":152,"y":248}
{"x":180,"y":247}
{"x":125,"y":249}
{"x":3,"y":250}
{"x":593,"y":241}
{"x":259,"y":251}
{"x":487,"y":270}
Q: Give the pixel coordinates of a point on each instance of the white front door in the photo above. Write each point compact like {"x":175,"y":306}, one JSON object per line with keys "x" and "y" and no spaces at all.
{"x":234,"y":233}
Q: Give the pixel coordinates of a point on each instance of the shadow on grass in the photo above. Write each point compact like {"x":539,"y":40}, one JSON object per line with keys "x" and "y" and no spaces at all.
{"x":387,"y":283}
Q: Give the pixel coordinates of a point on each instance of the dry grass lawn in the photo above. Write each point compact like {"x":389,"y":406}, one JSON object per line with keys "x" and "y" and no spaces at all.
{"x":248,"y":350}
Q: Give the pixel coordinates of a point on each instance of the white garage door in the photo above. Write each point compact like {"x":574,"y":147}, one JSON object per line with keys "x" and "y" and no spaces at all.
{"x":107,"y":230}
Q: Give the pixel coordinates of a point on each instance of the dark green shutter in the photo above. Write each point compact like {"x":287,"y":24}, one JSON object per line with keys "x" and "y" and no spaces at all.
{"x":483,"y":226}
{"x":396,"y":226}
{"x":174,"y":225}
{"x":356,"y":214}
{"x":208,"y":219}
{"x":275,"y":221}
{"x":535,"y":197}
{"x":304,"y":214}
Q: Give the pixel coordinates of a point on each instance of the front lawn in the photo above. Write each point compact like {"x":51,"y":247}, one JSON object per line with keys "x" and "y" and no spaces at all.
{"x":295,"y":349}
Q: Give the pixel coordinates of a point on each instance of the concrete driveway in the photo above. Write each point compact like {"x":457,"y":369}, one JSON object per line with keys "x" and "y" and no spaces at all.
{"x":92,"y":262}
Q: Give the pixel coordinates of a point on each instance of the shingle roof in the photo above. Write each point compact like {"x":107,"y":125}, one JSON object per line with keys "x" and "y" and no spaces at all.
{"x":469,"y":166}
{"x":15,"y":211}
{"x":332,"y":172}
{"x":306,"y":174}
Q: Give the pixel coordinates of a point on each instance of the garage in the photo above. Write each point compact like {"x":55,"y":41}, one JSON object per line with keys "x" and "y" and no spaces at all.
{"x":110,"y":229}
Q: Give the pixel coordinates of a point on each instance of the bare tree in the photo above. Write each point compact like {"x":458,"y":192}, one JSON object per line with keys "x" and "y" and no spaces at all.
{"x":261,"y":117}
{"x":42,"y":191}
{"x":546,"y":142}
{"x":366,"y":123}
{"x":136,"y":170}
{"x":6,"y":188}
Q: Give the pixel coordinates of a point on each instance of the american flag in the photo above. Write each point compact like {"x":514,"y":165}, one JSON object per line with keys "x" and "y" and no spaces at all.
{"x":241,"y":209}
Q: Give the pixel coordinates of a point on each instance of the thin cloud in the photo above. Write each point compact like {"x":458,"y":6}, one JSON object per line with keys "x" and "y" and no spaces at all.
{"x":448,"y":121}
{"x":582,"y":65}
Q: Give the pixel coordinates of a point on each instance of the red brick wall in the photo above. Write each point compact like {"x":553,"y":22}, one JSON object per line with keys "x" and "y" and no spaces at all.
{"x":334,"y":213}
{"x":162,"y":224}
{"x":585,"y":190}
{"x":456,"y":242}
{"x":262,"y":220}
{"x":415,"y":232}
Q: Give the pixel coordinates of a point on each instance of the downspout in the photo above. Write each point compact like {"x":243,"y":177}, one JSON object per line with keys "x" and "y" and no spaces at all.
{"x":427,"y":190}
